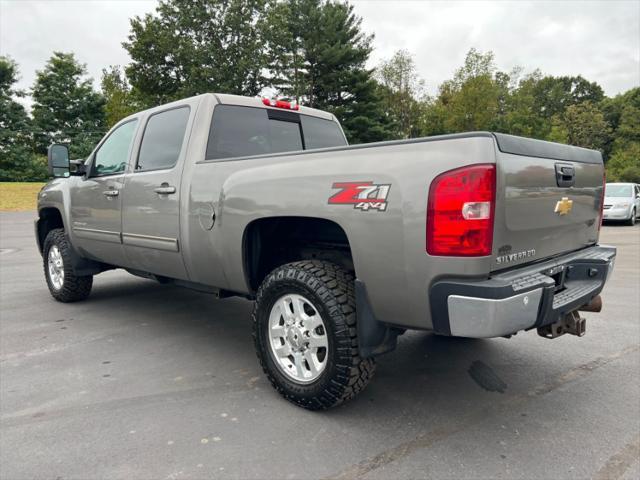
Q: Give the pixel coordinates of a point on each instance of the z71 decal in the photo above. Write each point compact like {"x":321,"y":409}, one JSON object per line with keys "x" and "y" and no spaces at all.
{"x":362,"y":195}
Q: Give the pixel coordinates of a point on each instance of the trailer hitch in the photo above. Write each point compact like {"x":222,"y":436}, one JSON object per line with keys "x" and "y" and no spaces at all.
{"x":571,"y":323}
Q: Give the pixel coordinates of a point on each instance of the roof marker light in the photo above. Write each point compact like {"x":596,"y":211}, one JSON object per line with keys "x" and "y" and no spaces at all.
{"x":270,"y":102}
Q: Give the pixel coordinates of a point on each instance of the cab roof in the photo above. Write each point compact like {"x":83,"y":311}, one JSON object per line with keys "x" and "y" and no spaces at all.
{"x":228,"y":99}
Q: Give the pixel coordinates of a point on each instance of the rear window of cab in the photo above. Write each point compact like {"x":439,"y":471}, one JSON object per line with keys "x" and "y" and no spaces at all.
{"x":238,"y":131}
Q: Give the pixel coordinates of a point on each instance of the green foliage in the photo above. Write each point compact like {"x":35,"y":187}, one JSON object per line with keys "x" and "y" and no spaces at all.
{"x":120,"y":102}
{"x":403,"y":94}
{"x":316,"y":52}
{"x":27,"y":168}
{"x":624,"y":164}
{"x":17,"y":161}
{"x":473,"y":105}
{"x":582,"y":125}
{"x":561,"y":109}
{"x":623,"y":114}
{"x":470,"y":100}
{"x":319,"y":59}
{"x":364,"y":119}
{"x":66,"y":109}
{"x":8,"y":77}
{"x":553,"y":95}
{"x":520,"y":115}
{"x":284,"y":41}
{"x":191,"y":47}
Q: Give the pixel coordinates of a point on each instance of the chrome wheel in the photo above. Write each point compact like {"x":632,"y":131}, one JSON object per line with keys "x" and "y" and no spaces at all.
{"x":298,"y":338}
{"x":55,"y":266}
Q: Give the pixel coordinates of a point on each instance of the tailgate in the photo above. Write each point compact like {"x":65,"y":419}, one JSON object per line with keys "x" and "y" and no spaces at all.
{"x":548,"y":198}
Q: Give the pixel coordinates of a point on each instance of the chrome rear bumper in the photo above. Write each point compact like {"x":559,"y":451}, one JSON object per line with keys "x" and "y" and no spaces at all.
{"x":489,"y":317}
{"x":523,"y":298}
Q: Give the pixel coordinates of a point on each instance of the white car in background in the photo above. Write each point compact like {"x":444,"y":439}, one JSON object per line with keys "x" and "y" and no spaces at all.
{"x":622,"y":202}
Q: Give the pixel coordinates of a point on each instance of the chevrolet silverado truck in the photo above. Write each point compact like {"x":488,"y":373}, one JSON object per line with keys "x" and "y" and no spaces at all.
{"x":342,"y":247}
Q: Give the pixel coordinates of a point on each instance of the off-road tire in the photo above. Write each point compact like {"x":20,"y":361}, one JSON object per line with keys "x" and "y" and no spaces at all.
{"x":632,"y":219}
{"x":74,"y":288}
{"x":331,"y":289}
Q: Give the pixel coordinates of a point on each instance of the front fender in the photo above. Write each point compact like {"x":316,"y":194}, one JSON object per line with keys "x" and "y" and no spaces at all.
{"x":55,"y":194}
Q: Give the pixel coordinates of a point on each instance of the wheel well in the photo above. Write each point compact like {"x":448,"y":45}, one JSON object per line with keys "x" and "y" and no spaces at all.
{"x":50,"y":218}
{"x":271,"y":242}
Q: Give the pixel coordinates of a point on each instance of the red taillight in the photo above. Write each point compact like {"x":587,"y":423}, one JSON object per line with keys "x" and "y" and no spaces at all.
{"x":280,"y":104}
{"x":460,"y":212}
{"x":604,"y":186}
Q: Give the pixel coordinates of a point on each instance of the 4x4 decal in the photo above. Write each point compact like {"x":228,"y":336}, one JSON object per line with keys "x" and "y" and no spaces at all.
{"x":362,"y":195}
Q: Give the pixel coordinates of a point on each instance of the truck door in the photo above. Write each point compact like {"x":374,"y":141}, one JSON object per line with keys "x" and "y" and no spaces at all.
{"x":96,"y":200}
{"x":151,"y":206}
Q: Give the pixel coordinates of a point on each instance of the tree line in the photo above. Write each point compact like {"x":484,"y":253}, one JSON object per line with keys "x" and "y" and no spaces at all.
{"x":314,"y":52}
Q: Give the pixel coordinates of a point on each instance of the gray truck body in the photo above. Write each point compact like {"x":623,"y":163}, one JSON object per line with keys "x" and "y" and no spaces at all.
{"x":220,"y":227}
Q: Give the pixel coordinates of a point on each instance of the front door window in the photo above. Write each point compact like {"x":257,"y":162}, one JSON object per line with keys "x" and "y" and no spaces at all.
{"x":112,"y":156}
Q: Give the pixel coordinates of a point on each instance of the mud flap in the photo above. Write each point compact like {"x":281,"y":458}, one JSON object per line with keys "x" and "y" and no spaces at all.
{"x":374,"y":337}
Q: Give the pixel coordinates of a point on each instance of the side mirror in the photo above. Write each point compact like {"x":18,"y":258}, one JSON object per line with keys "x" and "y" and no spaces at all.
{"x":78,"y":167}
{"x":58,"y":160}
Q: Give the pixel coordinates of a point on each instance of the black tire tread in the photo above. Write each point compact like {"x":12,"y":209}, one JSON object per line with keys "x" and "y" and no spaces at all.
{"x":74,"y":288}
{"x":335,"y":287}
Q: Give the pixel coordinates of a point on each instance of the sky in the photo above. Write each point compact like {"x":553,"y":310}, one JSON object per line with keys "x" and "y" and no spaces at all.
{"x":597,"y":39}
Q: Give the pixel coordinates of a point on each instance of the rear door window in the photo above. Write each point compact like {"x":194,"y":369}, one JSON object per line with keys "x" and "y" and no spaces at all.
{"x":162,"y":139}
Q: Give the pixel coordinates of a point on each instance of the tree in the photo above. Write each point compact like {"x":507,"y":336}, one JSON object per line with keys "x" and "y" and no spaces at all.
{"x":17,"y":161}
{"x":284,"y":45}
{"x":191,"y":47}
{"x":65,"y":107}
{"x":582,"y":125}
{"x":470,"y":99}
{"x":553,"y":95}
{"x":623,"y":114}
{"x":364,"y":118}
{"x":322,"y":64}
{"x":119,"y":100}
{"x":403,"y":94}
{"x":562,"y":109}
{"x":627,"y":129}
{"x":624,"y":165}
{"x":520,"y":115}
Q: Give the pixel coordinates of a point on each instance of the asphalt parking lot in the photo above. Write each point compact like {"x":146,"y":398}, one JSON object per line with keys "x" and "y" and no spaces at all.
{"x":149,"y":381}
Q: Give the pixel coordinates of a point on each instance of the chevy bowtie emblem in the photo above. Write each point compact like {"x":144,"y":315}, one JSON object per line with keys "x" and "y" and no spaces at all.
{"x":563,"y":206}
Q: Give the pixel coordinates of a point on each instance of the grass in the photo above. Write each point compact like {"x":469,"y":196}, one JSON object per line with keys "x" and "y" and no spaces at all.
{"x":19,"y":196}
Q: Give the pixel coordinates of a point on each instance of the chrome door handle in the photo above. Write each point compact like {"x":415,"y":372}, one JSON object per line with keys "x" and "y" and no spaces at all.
{"x":111,"y":193}
{"x":165,"y":189}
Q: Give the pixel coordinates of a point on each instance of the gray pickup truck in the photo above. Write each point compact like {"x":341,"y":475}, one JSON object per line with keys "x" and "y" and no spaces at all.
{"x":342,"y":247}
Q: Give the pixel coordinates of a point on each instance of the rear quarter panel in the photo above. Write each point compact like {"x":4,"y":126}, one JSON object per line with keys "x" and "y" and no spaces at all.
{"x":388,"y":247}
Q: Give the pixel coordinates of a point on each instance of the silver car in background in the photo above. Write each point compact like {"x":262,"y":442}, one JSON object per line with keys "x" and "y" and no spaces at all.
{"x":622,"y":202}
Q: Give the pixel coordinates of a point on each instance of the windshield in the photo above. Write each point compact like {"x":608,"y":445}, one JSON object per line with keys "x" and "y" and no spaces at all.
{"x":613,"y":190}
